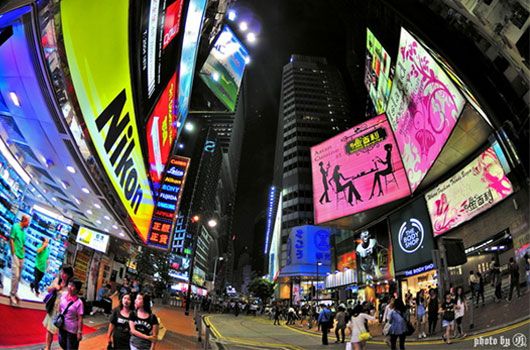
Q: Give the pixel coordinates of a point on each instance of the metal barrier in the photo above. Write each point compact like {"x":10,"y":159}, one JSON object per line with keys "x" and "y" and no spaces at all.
{"x":200,"y":325}
{"x":207,"y":334}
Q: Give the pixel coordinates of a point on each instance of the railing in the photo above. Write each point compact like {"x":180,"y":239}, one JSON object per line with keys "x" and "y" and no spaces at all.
{"x":203,"y":328}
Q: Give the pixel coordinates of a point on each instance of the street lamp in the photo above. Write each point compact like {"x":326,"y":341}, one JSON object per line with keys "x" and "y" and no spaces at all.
{"x":212,"y":223}
{"x":318,"y":264}
{"x":215,"y":271}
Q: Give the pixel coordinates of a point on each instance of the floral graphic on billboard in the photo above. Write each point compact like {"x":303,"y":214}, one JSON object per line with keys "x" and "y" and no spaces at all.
{"x":423,"y":109}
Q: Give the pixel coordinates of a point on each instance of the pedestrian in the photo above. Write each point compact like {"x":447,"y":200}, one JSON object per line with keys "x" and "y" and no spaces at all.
{"x":291,"y":315}
{"x":460,"y":309}
{"x":236,"y":308}
{"x":447,"y":309}
{"x":103,"y":302}
{"x":119,"y":333}
{"x":432,"y":311}
{"x":398,"y":325}
{"x":324,"y":319}
{"x":480,"y":288}
{"x":513,"y":268}
{"x":341,"y":324}
{"x":473,"y":284}
{"x":386,"y":320}
{"x":356,"y":326}
{"x":527,"y":267}
{"x":17,"y":240}
{"x":143,"y":324}
{"x":58,"y":288}
{"x":277,"y":312}
{"x":71,"y":307}
{"x":421,"y":313}
{"x":41,"y":262}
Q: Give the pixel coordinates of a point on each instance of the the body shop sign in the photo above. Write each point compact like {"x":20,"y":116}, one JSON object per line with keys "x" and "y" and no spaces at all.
{"x":166,"y":206}
{"x":97,"y":49}
{"x":474,"y":189}
{"x":357,"y":170}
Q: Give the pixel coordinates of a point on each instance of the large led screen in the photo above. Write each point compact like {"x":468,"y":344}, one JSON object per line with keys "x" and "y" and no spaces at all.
{"x":423,"y":108}
{"x":223,"y":70}
{"x":412,"y":238}
{"x":357,"y":170}
{"x":474,"y":189}
{"x":161,"y":132}
{"x":96,"y":39}
{"x":374,"y":254}
{"x":188,"y":57}
{"x":307,"y":246}
{"x":377,"y":72}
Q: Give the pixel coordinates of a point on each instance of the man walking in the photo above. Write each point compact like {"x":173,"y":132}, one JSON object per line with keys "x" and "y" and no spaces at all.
{"x":17,"y":240}
{"x":473,"y":284}
{"x":514,"y":278}
{"x":41,"y":261}
{"x":324,"y":320}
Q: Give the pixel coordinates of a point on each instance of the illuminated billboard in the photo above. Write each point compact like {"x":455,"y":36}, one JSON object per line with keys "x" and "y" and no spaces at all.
{"x":357,"y":170}
{"x":374,"y":253}
{"x":93,"y":239}
{"x":377,"y":72}
{"x":96,"y":39}
{"x":223,"y":70}
{"x":161,"y":131}
{"x":471,"y":191}
{"x":423,"y":108}
{"x":411,"y":236}
{"x":347,"y":261}
{"x":168,"y":201}
{"x":188,"y":57}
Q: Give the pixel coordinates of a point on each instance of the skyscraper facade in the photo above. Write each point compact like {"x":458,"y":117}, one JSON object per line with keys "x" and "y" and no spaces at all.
{"x":314,"y":106}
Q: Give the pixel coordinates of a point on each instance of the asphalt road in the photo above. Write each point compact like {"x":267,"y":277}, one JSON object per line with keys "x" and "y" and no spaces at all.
{"x":248,"y":332}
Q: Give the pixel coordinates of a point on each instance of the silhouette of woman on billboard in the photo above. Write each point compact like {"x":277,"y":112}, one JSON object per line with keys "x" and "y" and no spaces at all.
{"x":337,"y":176}
{"x":383,"y":172}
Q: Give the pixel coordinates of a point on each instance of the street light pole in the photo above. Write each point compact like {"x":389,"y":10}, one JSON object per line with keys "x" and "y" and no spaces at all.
{"x":318,"y":264}
{"x":220,"y":258}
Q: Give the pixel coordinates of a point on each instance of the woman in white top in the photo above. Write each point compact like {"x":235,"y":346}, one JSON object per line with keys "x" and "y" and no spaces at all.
{"x":460,"y":309}
{"x":356,"y":327}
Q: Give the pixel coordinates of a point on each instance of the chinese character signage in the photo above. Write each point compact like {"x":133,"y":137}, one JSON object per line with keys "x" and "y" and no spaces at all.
{"x":377,"y":72}
{"x":412,"y":238}
{"x":423,"y":108}
{"x":306,"y":247}
{"x":357,"y":170}
{"x":471,"y":191}
{"x":93,"y":239}
{"x":168,"y":201}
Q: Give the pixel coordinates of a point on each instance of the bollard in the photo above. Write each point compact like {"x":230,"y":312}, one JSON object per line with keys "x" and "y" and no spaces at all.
{"x":207,"y":338}
{"x":199,"y":327}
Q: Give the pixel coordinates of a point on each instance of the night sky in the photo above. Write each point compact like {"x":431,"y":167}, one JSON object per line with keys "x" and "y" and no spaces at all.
{"x":287,"y":27}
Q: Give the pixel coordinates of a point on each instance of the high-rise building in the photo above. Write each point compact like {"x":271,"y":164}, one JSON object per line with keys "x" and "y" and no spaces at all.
{"x":314,"y":106}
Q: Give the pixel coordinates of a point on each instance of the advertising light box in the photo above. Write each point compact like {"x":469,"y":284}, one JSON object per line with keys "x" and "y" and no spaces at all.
{"x":357,"y":170}
{"x":93,"y":239}
{"x":347,"y":261}
{"x":471,"y":191}
{"x":423,"y":108}
{"x":161,"y":132}
{"x":96,"y":39}
{"x":412,"y":238}
{"x":167,"y":204}
{"x":377,"y":72}
{"x":223,"y":70}
{"x":188,"y":57}
{"x":374,"y":254}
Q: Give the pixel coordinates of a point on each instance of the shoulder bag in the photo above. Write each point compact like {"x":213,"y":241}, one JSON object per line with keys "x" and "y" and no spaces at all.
{"x":58,"y":320}
{"x":49,"y":301}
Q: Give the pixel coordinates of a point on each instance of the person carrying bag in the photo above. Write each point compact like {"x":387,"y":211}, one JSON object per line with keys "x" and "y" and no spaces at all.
{"x":58,"y":321}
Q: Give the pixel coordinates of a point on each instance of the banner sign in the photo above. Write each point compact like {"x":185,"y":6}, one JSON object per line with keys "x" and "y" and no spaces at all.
{"x":377,"y":72}
{"x":423,"y":108}
{"x":471,"y":191}
{"x":167,"y":205}
{"x":97,"y":47}
{"x":357,"y":170}
{"x":412,"y":238}
{"x":93,"y":239}
{"x":161,"y":132}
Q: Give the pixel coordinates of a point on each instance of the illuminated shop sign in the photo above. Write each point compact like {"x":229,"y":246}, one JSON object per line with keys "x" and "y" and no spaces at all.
{"x":161,"y":131}
{"x":172,"y":22}
{"x":412,"y":237}
{"x":168,"y":201}
{"x":471,"y":191}
{"x":347,"y":261}
{"x":308,"y":251}
{"x":357,"y":170}
{"x":374,"y":253}
{"x":377,"y":76}
{"x":270,"y":213}
{"x":341,"y":278}
{"x":188,"y":57}
{"x":93,"y":239}
{"x":423,"y":108}
{"x":97,"y":47}
{"x":419,"y":270}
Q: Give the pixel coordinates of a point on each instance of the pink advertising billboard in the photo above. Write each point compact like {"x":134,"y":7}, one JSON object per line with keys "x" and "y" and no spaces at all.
{"x":357,"y":170}
{"x":474,"y":189}
{"x":423,"y":108}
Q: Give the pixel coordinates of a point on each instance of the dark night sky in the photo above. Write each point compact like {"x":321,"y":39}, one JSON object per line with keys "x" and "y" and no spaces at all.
{"x":287,"y":27}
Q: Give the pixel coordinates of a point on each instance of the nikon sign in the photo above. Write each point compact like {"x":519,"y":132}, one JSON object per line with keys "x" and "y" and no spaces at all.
{"x":96,"y":40}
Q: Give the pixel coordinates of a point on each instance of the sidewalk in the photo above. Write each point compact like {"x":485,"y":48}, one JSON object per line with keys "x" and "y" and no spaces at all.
{"x":491,"y":316}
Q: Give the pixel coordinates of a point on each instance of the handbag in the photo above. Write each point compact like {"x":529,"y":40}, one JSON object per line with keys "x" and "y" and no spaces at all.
{"x":58,"y":320}
{"x":161,"y":330}
{"x":365,"y":336}
{"x":386,"y":328}
{"x":349,"y":346}
{"x":49,"y":301}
